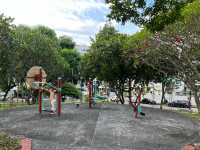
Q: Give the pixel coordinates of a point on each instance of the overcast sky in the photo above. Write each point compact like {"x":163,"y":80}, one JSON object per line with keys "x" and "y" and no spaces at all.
{"x":80,"y":19}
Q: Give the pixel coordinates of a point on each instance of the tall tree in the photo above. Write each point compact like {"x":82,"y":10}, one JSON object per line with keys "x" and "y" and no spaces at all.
{"x":143,"y":71}
{"x":38,"y":46}
{"x":179,"y":45}
{"x":72,"y":56}
{"x":104,"y":59}
{"x":7,"y":53}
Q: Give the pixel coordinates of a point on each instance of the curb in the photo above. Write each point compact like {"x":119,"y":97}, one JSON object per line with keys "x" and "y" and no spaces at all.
{"x":26,"y":144}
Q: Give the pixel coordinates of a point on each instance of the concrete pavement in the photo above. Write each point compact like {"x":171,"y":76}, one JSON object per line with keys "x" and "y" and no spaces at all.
{"x":106,"y":127}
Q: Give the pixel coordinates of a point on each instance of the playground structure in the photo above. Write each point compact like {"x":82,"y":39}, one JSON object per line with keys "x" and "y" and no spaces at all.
{"x":92,"y":93}
{"x":136,"y":105}
{"x":36,"y":80}
{"x":92,"y":97}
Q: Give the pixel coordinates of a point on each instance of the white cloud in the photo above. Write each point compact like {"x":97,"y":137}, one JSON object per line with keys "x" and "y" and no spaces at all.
{"x":66,"y":17}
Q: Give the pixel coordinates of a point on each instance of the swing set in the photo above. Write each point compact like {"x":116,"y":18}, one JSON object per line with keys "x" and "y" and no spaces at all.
{"x":36,"y":80}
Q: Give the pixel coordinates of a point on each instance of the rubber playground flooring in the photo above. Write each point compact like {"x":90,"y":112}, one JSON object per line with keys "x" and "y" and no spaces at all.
{"x":106,"y":127}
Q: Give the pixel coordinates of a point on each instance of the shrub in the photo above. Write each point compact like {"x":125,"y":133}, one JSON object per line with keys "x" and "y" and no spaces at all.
{"x":70,"y":90}
{"x":8,"y":143}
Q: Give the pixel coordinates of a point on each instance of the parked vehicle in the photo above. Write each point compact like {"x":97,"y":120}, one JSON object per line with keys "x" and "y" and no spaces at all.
{"x":179,"y":103}
{"x":2,"y":95}
{"x":148,"y":101}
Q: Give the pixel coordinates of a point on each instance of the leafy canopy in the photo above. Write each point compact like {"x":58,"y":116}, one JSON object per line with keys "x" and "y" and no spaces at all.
{"x":154,"y":15}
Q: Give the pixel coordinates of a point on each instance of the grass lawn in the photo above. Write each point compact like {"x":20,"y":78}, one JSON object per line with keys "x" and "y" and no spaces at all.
{"x":8,"y":143}
{"x":192,"y":115}
{"x":198,"y":147}
{"x":8,"y":105}
{"x":75,"y":101}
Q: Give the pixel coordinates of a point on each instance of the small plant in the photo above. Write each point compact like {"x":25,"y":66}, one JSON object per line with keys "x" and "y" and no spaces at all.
{"x":197,"y":147}
{"x":8,"y":143}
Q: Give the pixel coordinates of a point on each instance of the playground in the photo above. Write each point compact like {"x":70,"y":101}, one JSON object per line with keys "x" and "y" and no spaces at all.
{"x":105,"y":127}
{"x":100,"y":75}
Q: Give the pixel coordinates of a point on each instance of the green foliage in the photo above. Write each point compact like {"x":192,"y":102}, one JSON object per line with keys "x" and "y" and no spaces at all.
{"x":7,"y":51}
{"x":105,"y":58}
{"x":105,"y":54}
{"x":6,"y":105}
{"x":113,"y":57}
{"x":72,"y":56}
{"x":22,"y":47}
{"x":70,"y":90}
{"x":47,"y":32}
{"x":198,"y":147}
{"x":192,"y":8}
{"x":87,"y":67}
{"x":8,"y":143}
{"x":154,"y":16}
{"x":66,"y":42}
{"x":38,"y":46}
{"x":194,"y":116}
{"x":137,"y":40}
{"x":175,"y":51}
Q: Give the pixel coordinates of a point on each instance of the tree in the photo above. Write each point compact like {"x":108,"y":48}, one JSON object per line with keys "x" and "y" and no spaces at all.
{"x":154,"y":16}
{"x":66,"y":42}
{"x":104,"y":59}
{"x":7,"y":54}
{"x":72,"y":56}
{"x":179,"y":45}
{"x":38,"y":47}
{"x":143,"y":71}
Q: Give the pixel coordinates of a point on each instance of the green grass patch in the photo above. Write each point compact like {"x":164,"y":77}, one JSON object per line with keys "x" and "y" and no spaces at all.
{"x":72,"y":101}
{"x":77,"y":101}
{"x":8,"y":143}
{"x":195,"y":116}
{"x":7,"y":105}
{"x":197,"y":147}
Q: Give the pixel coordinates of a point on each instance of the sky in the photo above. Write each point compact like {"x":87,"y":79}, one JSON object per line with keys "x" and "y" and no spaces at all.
{"x":79,"y":19}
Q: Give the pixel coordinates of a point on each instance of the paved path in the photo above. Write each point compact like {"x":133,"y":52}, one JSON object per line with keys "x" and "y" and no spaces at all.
{"x":107,"y":127}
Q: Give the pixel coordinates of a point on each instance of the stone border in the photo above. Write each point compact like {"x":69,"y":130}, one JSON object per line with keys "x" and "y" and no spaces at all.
{"x":26,"y":144}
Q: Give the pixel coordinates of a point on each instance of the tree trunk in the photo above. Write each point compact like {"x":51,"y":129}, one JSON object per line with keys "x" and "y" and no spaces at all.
{"x":120,"y":92}
{"x":129,"y":90}
{"x":7,"y":90}
{"x":122,"y":97}
{"x":197,"y":101}
{"x":163,"y":96}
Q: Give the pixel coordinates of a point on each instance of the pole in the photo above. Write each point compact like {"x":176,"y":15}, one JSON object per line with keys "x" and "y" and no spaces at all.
{"x":59,"y":97}
{"x":90,"y":93}
{"x":40,"y":93}
{"x":81,"y":86}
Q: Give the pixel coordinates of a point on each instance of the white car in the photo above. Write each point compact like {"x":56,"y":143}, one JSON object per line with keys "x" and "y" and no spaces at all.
{"x":2,"y":95}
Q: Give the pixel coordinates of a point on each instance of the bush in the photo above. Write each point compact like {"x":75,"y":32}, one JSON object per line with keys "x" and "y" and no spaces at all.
{"x":8,"y":143}
{"x":70,"y":90}
{"x":198,"y":147}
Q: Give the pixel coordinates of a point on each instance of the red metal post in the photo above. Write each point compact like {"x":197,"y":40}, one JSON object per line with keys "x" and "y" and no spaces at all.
{"x":59,"y":97}
{"x":90,"y":93}
{"x":40,"y":93}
